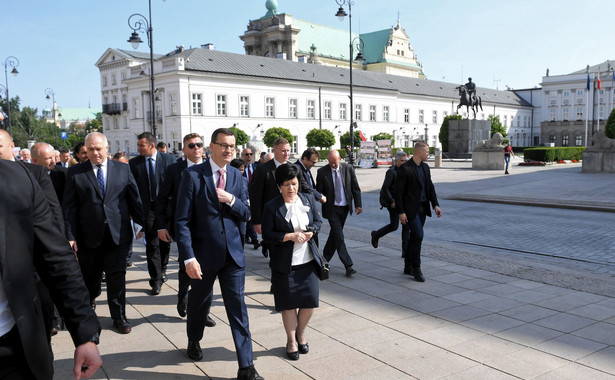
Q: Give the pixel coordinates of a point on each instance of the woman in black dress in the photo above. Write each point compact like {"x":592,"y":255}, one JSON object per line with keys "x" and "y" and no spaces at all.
{"x":289,"y":223}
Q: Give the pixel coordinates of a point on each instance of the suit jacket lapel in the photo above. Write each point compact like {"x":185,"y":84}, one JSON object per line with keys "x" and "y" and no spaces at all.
{"x":209,"y":182}
{"x":89,"y":172}
{"x":2,"y":234}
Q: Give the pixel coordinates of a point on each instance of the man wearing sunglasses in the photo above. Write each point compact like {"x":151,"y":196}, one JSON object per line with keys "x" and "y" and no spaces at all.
{"x":165,"y":211}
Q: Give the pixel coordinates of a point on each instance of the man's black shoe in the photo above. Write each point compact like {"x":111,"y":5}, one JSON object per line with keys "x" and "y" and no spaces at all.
{"x":265,"y":251}
{"x":182,"y":306}
{"x":93,"y":304}
{"x":128,"y":263}
{"x":408,"y":271}
{"x":194,"y":350}
{"x":374,"y":239}
{"x":350,"y":271}
{"x":122,"y":326}
{"x":155,"y":289}
{"x":248,"y":373}
{"x":164,"y":276}
{"x":418,"y":275}
{"x":256,"y":244}
{"x":209,"y":322}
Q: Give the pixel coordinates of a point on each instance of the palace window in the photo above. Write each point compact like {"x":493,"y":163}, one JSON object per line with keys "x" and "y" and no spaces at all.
{"x":385,"y":113}
{"x":244,"y":106}
{"x":269,"y":107}
{"x":221,"y":105}
{"x":343,"y":115}
{"x":372,"y":113}
{"x":292,"y":108}
{"x":197,"y":104}
{"x":327,"y":110}
{"x":311,"y":109}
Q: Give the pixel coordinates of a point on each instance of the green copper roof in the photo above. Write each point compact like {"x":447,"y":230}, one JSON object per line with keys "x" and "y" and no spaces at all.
{"x":77,"y":114}
{"x":374,"y":44}
{"x":330,"y":42}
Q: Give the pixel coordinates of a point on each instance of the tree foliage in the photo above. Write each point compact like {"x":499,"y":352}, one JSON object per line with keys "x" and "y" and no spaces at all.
{"x":241,"y":138}
{"x":273,"y":134}
{"x":496,"y":126}
{"x":322,"y":138}
{"x":345,"y":139}
{"x":384,"y":136}
{"x":609,"y":128}
{"x":443,"y":135}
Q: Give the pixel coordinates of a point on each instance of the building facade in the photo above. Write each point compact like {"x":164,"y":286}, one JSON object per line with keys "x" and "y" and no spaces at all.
{"x":199,"y":90}
{"x":571,"y":107}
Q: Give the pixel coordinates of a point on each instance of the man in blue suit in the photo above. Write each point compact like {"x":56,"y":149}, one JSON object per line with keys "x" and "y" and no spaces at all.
{"x":211,"y":203}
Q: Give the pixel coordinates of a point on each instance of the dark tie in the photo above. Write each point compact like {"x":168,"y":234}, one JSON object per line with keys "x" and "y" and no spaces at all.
{"x":100,"y":177}
{"x":250,"y":173}
{"x":338,"y":187}
{"x":221,"y":182}
{"x":152,"y":179}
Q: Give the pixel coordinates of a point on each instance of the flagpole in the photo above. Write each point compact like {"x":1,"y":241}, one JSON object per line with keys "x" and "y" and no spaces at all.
{"x":587,"y":110}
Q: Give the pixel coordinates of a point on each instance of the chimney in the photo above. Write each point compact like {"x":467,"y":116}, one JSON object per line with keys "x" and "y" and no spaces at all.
{"x":208,"y":46}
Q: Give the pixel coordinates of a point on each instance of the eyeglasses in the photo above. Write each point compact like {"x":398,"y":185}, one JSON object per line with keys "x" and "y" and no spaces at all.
{"x":247,"y":154}
{"x":314,"y":162}
{"x":225,"y":146}
{"x":192,"y":145}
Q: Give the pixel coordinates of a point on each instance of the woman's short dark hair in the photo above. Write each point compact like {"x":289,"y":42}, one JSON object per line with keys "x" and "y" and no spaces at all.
{"x":286,"y":172}
{"x":237,"y":163}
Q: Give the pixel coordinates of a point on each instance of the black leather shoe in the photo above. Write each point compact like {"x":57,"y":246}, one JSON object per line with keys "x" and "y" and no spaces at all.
{"x":374,"y":239}
{"x":265,"y":251}
{"x":303,"y":348}
{"x":93,"y":304}
{"x":182,"y":306}
{"x":194,"y":350}
{"x":209,"y":322}
{"x":350,"y":271}
{"x":418,"y":275}
{"x":292,"y":355}
{"x":155,"y":289}
{"x":408,"y":271}
{"x":164,"y":276}
{"x":248,"y":373}
{"x":256,"y":244}
{"x":122,"y":326}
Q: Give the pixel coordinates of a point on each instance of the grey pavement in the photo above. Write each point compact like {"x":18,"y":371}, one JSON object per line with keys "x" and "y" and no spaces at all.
{"x":484,"y":312}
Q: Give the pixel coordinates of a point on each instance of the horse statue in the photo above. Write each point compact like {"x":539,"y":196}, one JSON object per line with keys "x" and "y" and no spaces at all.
{"x":473,"y":101}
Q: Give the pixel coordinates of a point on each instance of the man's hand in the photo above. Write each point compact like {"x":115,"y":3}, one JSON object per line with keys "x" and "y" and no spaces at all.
{"x":139,"y":235}
{"x":403,"y":218}
{"x":438,"y":211}
{"x":223,"y":196}
{"x":323,"y":199}
{"x":164,"y":235}
{"x":358,"y":210}
{"x":73,"y":245}
{"x":193,"y":270}
{"x":257,"y":229}
{"x":87,"y":360}
{"x":393,"y":205}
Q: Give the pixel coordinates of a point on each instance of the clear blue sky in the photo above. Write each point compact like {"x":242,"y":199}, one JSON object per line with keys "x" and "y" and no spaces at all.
{"x":506,"y":42}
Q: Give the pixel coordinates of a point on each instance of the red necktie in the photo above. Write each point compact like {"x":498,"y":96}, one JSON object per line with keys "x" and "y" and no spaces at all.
{"x":221,"y":182}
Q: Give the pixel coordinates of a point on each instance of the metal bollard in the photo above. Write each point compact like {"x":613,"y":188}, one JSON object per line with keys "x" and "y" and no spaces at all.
{"x":438,"y":154}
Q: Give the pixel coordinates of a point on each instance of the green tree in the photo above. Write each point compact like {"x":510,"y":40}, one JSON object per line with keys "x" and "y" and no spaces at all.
{"x":322,"y":138}
{"x":14,"y":104}
{"x":384,"y":136}
{"x":443,"y":135}
{"x":94,"y":125}
{"x":496,"y":126}
{"x":28,"y":126}
{"x":345,"y":139}
{"x":609,"y":128}
{"x":241,"y":138}
{"x":273,"y":134}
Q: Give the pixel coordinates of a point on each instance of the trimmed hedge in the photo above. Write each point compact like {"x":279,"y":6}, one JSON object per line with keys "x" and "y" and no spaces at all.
{"x":550,"y":154}
{"x":322,"y":154}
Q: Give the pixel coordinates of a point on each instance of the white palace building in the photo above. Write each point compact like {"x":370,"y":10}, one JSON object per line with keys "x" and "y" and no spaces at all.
{"x":292,"y":77}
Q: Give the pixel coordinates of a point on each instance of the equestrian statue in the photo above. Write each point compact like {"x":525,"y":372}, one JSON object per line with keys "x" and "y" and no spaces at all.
{"x":469,"y":97}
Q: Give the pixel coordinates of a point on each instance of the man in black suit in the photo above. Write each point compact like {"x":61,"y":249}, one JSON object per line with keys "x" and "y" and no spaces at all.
{"x":308,"y":159}
{"x":414,"y":191}
{"x":211,"y":204}
{"x":247,"y":155}
{"x":165,"y":206}
{"x":338,"y":183}
{"x":64,"y":158}
{"x":43,"y":155}
{"x":100,"y":197}
{"x":149,"y":172}
{"x":26,"y":219}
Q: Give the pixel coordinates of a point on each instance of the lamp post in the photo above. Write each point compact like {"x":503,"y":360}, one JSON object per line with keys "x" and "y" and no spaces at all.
{"x":254,"y":131}
{"x":52,"y":95}
{"x":13,"y":62}
{"x":138,"y":22}
{"x":341,"y":14}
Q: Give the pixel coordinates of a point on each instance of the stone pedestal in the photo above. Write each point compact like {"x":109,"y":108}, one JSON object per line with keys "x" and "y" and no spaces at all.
{"x":438,"y":160}
{"x":488,"y":160}
{"x":598,"y":161}
{"x":465,"y":135}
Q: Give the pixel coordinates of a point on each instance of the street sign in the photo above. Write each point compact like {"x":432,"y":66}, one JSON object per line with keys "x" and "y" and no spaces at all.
{"x":64,"y":135}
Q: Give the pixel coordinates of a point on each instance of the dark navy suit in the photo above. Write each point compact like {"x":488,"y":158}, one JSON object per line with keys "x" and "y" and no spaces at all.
{"x":209,"y":232}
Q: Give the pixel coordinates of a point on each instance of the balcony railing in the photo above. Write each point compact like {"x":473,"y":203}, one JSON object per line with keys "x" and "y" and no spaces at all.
{"x":114,"y":108}
{"x":158,"y":116}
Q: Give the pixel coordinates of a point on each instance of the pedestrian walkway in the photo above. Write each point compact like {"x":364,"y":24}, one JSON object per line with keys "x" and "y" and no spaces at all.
{"x":464,"y":322}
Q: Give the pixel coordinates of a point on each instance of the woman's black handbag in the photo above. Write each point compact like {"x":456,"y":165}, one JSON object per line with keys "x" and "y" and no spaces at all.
{"x":323,"y":267}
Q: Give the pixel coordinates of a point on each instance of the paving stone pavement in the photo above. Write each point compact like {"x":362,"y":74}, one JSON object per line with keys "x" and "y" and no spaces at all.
{"x":481,"y":314}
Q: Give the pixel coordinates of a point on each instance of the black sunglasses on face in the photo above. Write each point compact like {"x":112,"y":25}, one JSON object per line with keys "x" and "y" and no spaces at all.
{"x":247,"y":154}
{"x":192,"y":145}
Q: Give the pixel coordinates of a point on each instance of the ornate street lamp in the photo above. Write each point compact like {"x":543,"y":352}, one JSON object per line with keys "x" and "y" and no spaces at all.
{"x":139,"y":23}
{"x":52,"y":95}
{"x":354,"y":43}
{"x":13,"y":62}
